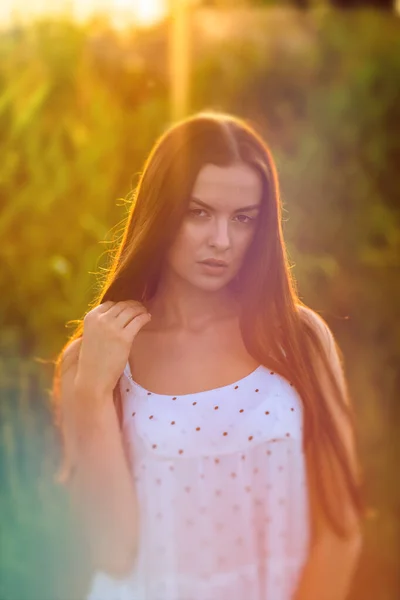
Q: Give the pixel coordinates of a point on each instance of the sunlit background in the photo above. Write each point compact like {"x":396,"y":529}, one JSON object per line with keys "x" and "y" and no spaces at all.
{"x":86,"y":87}
{"x":121,"y":12}
{"x":141,"y":12}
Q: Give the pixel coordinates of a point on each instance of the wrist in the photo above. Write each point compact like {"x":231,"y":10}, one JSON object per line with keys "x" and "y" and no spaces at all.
{"x":91,"y":408}
{"x":91,"y":392}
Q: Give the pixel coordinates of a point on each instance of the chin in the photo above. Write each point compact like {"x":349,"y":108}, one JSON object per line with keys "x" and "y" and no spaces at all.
{"x":210,"y":286}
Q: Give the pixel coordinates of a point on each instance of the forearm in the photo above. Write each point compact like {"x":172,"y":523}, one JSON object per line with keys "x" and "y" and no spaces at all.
{"x":329,"y":570}
{"x":101,"y":485}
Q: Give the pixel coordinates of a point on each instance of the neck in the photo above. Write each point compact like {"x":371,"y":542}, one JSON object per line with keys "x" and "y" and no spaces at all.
{"x":179,"y":305}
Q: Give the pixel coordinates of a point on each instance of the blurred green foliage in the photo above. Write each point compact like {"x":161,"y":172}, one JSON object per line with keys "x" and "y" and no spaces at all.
{"x":80,"y":108}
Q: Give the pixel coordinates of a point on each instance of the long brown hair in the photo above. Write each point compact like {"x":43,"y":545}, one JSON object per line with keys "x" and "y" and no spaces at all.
{"x":277,"y":327}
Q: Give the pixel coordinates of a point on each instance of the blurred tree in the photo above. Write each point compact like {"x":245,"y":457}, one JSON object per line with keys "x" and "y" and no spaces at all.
{"x":380,"y":4}
{"x":299,"y":3}
{"x":303,"y":4}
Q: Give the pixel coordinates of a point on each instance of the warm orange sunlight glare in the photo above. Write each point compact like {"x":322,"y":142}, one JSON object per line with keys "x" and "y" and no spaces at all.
{"x":145,"y":12}
{"x":128,"y":12}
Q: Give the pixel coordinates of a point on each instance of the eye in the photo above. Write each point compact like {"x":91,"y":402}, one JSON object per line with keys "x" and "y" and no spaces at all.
{"x":246,"y":219}
{"x":195,"y":211}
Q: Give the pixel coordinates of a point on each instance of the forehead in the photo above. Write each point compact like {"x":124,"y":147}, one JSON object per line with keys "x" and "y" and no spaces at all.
{"x":234,"y":183}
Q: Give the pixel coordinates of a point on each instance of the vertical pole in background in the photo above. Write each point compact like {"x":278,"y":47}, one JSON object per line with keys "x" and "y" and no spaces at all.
{"x":179,"y":58}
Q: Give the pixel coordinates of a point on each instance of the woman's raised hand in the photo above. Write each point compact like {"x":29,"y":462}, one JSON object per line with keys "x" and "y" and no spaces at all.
{"x":108,"y":332}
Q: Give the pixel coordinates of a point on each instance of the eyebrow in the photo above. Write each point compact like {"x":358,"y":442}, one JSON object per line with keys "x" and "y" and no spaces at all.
{"x":244,"y":208}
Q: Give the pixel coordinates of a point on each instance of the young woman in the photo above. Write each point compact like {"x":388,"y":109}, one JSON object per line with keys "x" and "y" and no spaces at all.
{"x":208,"y":435}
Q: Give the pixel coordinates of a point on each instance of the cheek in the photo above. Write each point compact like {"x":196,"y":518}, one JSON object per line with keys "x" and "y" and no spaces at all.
{"x":186,"y":244}
{"x":190,"y":236}
{"x":241,"y":242}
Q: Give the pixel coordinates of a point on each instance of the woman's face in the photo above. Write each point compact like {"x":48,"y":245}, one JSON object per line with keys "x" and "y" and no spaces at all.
{"x":219,"y":224}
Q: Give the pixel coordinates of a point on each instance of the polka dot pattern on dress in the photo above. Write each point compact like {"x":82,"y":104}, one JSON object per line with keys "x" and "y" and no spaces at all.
{"x":219,"y":472}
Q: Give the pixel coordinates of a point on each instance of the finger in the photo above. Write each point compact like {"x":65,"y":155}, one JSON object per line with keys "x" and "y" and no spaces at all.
{"x":104,"y":306}
{"x":134,"y":326}
{"x":116,"y":309}
{"x":129,"y":313}
{"x":131,"y":305}
{"x":134,"y":303}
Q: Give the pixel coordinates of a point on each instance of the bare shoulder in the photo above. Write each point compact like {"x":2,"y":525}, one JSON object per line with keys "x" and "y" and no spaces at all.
{"x":339,"y":404}
{"x":311,"y":316}
{"x":332,"y":350}
{"x":320,"y":327}
{"x":331,"y":347}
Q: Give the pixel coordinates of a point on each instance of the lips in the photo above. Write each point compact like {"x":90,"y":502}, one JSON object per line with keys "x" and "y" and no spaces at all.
{"x":214,"y":262}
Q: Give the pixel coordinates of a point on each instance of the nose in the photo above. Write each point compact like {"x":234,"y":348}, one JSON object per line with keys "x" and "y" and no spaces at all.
{"x":219,"y":237}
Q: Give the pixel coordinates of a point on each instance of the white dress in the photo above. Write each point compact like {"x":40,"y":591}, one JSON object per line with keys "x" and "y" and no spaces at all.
{"x":221,"y":482}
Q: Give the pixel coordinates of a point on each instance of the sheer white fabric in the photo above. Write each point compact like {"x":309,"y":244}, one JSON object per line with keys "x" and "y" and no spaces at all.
{"x":221,"y":481}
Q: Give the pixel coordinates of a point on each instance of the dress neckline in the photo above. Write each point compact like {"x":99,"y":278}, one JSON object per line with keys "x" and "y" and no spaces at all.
{"x":216,"y":389}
